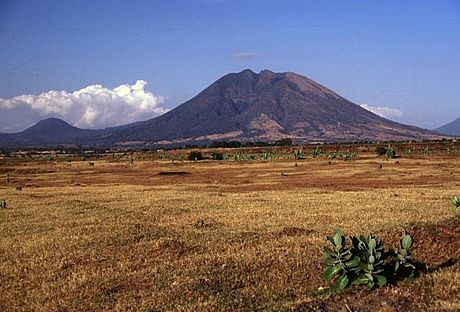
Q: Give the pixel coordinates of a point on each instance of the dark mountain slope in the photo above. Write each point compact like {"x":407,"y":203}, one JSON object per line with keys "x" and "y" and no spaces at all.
{"x":452,"y":128}
{"x":47,"y":132}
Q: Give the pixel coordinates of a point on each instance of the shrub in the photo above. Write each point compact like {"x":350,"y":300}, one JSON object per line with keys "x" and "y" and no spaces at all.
{"x":2,"y":203}
{"x":217,"y":156}
{"x":195,"y":155}
{"x":283,"y":142}
{"x":390,"y":153}
{"x":363,"y":261}
{"x":381,"y":150}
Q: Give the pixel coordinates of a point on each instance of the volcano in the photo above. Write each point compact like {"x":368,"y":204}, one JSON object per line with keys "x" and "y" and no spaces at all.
{"x":268,"y":106}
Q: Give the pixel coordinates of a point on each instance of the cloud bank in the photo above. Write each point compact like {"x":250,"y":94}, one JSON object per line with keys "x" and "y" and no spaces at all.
{"x":383,"y":111}
{"x":92,"y":107}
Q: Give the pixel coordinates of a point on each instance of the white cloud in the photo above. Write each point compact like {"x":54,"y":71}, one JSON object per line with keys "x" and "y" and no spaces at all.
{"x":244,"y":56}
{"x":383,"y":111}
{"x":92,"y":107}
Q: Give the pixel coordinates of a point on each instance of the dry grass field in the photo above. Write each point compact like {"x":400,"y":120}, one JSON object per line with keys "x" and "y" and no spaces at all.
{"x":116,"y":234}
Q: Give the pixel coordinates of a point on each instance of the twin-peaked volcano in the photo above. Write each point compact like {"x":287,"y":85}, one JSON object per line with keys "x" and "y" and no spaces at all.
{"x":265,"y":107}
{"x":244,"y":106}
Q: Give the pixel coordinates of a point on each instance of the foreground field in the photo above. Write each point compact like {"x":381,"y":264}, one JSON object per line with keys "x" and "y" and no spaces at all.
{"x":220,"y":236}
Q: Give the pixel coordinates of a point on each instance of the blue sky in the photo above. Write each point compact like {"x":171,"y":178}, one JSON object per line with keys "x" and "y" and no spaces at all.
{"x":401,"y":56}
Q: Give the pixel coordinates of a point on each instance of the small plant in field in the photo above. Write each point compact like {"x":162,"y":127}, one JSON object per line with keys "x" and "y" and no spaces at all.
{"x":267,"y":156}
{"x":456,"y":203}
{"x":2,"y":203}
{"x":403,"y":257}
{"x":91,"y":164}
{"x":334,"y":155}
{"x":316,"y":153}
{"x":339,"y":262}
{"x":370,"y":251}
{"x":390,"y":153}
{"x":363,"y":261}
{"x":349,"y":156}
{"x":195,"y":155}
{"x":408,"y":152}
{"x":299,"y":154}
{"x":8,"y":178}
{"x":426,"y":151}
{"x":239,"y":156}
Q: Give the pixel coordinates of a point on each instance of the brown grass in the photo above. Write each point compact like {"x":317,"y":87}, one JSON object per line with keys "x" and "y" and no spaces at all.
{"x":227,"y":236}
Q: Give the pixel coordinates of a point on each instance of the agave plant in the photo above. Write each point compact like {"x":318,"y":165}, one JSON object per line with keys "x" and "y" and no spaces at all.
{"x":371,"y":254}
{"x":403,"y":257}
{"x":339,"y":262}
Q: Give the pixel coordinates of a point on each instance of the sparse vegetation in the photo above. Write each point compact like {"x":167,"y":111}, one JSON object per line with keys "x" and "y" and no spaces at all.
{"x":2,"y":203}
{"x":213,"y":236}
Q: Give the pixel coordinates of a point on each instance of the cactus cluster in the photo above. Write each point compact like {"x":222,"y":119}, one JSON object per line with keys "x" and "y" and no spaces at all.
{"x":2,"y":203}
{"x":364,"y":261}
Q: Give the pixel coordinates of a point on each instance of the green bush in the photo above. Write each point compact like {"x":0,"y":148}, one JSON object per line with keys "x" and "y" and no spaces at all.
{"x":2,"y":203}
{"x":390,"y":153}
{"x":195,"y":155}
{"x":363,"y":261}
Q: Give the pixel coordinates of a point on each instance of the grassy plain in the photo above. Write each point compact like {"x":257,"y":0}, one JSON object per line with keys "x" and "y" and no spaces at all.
{"x":120,"y":234}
